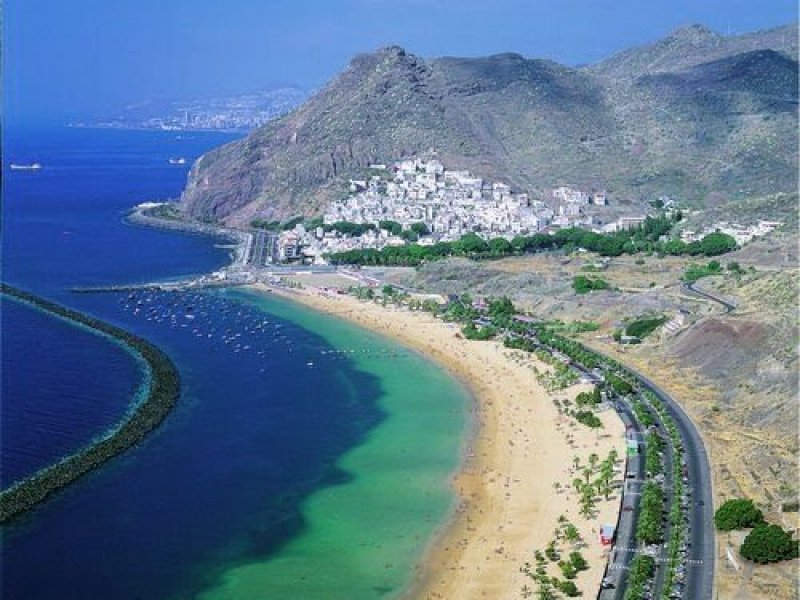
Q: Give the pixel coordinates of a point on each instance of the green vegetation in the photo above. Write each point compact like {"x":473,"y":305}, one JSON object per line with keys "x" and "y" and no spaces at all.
{"x":569,"y":589}
{"x":461,"y":310}
{"x":362,"y":292}
{"x":620,"y":385}
{"x":737,"y":513}
{"x":768,"y":544}
{"x":644,"y":326}
{"x":643,"y":414}
{"x":645,"y":238}
{"x":291,"y":223}
{"x":590,"y":399}
{"x":264,"y":224}
{"x":419,"y":228}
{"x":548,"y":586}
{"x":472,"y":332}
{"x":695,"y":272}
{"x":393,"y":227}
{"x":654,"y":448}
{"x":588,"y":418}
{"x":283,"y":225}
{"x":501,"y":311}
{"x":347,"y":228}
{"x":641,"y":571}
{"x":161,"y":398}
{"x":583,"y":285}
{"x":649,"y":529}
{"x":561,"y":377}
{"x":164,"y":211}
{"x":765,"y":543}
{"x":573,"y":327}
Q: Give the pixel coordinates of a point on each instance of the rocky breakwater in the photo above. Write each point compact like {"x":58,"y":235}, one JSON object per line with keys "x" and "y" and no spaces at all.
{"x":160,"y":398}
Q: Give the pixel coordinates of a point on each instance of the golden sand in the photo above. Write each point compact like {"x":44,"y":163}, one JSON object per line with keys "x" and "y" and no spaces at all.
{"x":507,"y":502}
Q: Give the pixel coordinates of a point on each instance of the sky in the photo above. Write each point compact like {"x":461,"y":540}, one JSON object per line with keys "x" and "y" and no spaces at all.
{"x":67,"y":60}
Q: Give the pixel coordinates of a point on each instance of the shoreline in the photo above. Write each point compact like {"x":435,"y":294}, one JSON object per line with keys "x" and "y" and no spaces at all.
{"x":162,"y":384}
{"x":499,"y":513}
{"x":138,"y":217}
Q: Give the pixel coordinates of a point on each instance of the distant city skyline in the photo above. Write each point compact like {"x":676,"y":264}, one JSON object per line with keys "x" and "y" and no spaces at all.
{"x":82,"y":59}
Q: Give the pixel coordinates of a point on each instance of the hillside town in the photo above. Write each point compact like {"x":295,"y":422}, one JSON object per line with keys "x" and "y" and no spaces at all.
{"x":419,"y":200}
{"x":741,"y":233}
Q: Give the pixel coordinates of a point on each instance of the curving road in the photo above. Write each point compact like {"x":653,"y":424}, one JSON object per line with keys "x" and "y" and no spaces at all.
{"x":727,"y":306}
{"x":701,"y":556}
{"x":702,"y":550}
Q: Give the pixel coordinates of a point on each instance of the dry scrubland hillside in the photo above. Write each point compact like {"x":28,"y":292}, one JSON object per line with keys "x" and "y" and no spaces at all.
{"x":696,"y":115}
{"x":736,"y":374}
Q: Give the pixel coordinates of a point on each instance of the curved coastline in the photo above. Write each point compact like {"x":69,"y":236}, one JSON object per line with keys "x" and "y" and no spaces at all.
{"x":162,"y":396}
{"x":139,"y":216}
{"x":501,"y":512}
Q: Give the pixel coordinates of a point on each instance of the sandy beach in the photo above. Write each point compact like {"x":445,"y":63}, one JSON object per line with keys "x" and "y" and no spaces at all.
{"x":522,"y":449}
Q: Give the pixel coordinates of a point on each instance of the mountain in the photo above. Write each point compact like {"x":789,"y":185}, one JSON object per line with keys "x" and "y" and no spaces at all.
{"x":696,"y":116}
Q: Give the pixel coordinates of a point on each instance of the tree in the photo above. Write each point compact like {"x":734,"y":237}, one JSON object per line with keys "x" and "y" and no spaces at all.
{"x":501,"y":309}
{"x":569,"y":589}
{"x":577,"y":560}
{"x":471,"y":243}
{"x":571,"y":534}
{"x":393,"y":227}
{"x":737,"y":513}
{"x":545,"y":591}
{"x":593,"y":460}
{"x":717,"y":243}
{"x":583,"y":285}
{"x":409,"y":235}
{"x":420,"y":228}
{"x":768,"y":544}
{"x":500,"y":246}
{"x":567,"y":569}
{"x":587,"y":473}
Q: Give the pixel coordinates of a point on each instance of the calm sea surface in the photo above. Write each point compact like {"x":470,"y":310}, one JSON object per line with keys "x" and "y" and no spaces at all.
{"x":307,"y":458}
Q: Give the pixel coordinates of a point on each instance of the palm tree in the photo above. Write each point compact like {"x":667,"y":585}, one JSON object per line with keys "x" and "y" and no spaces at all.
{"x":606,"y":488}
{"x":545,"y":592}
{"x":572,"y":534}
{"x":593,"y":459}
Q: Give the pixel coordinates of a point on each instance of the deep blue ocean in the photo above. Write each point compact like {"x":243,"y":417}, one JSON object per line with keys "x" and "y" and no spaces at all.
{"x":248,"y":441}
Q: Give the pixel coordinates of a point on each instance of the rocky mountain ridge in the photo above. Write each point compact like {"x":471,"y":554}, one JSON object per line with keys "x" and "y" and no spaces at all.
{"x":696,"y":116}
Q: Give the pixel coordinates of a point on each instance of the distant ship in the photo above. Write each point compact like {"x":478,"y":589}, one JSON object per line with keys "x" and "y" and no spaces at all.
{"x":177,"y":161}
{"x":31,"y":167}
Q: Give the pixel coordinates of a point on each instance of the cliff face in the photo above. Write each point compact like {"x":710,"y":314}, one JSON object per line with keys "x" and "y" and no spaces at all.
{"x":694,"y":115}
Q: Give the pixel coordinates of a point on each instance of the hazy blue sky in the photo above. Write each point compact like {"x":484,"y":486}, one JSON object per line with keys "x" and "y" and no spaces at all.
{"x":71,"y":58}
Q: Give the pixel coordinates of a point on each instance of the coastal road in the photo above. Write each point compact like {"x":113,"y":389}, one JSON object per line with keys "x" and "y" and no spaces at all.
{"x":625,"y":541}
{"x":702,"y":550}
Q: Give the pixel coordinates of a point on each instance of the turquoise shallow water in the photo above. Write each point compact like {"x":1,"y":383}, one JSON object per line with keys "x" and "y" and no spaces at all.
{"x":365,"y":536}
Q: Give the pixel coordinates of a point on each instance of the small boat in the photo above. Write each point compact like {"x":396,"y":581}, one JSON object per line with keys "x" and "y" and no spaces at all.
{"x":31,"y":167}
{"x":177,"y":161}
